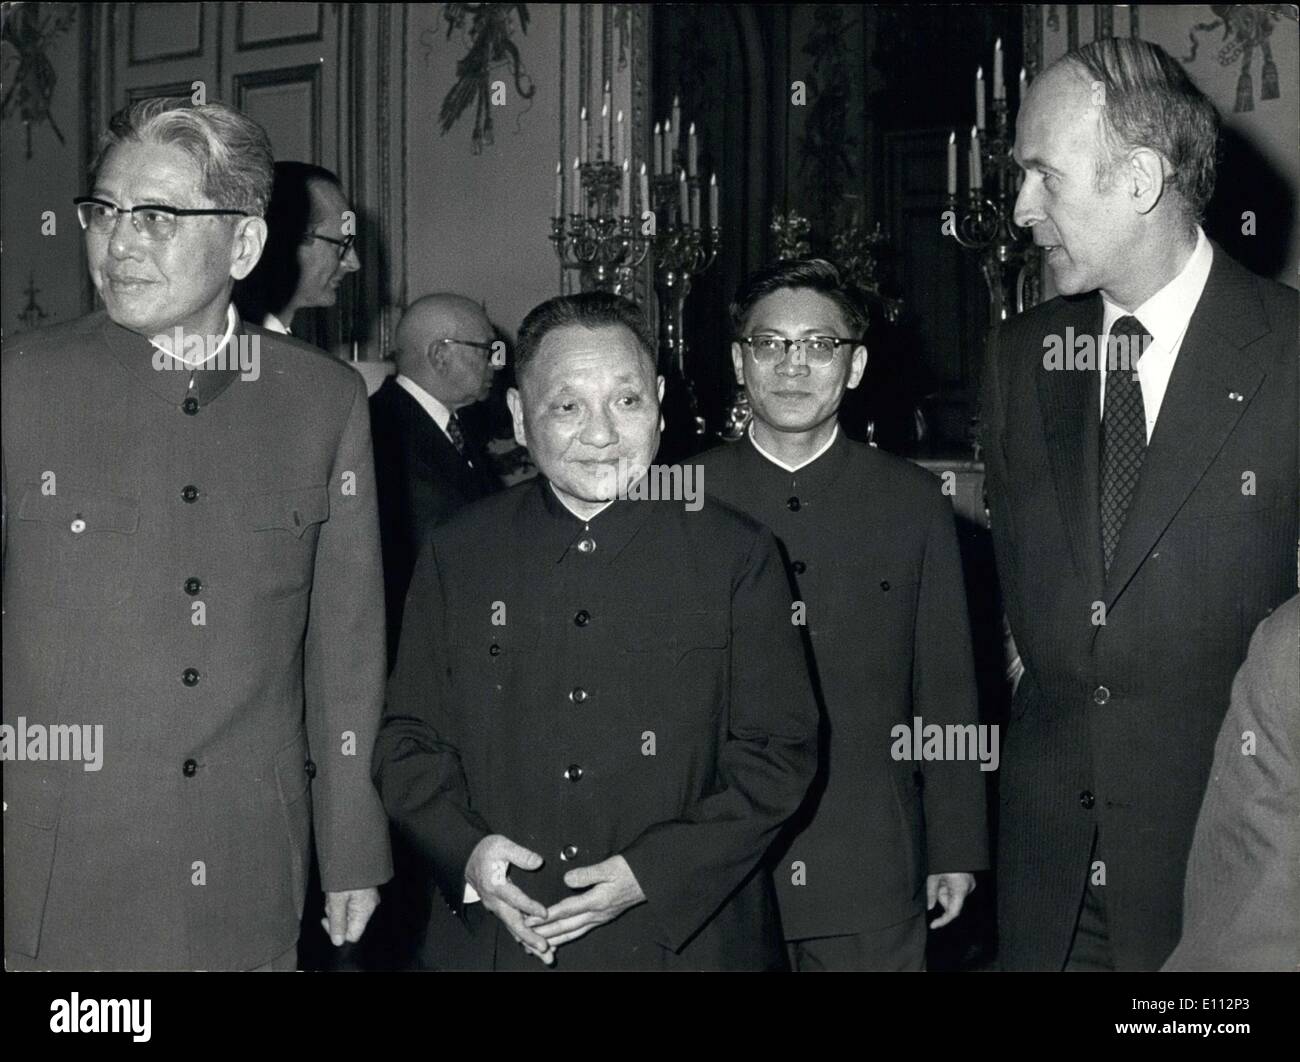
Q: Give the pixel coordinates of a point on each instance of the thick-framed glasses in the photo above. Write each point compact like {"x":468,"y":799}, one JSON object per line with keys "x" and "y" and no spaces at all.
{"x":486,"y":347}
{"x":153,"y":221}
{"x":816,"y":350}
{"x":344,"y":245}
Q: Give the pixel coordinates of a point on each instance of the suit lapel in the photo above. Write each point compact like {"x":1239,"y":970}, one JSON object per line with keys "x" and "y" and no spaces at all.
{"x":1069,"y":404}
{"x":1197,"y":413}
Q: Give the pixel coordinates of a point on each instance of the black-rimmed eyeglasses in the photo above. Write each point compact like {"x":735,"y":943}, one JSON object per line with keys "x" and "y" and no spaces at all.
{"x":344,"y":245}
{"x":153,"y":221}
{"x":817,"y":350}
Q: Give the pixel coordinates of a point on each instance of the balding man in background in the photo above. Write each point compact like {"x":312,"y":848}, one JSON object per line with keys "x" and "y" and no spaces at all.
{"x":427,"y":466}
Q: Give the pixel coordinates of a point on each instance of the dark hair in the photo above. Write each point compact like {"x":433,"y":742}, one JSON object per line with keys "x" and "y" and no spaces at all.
{"x":231,"y":150}
{"x":1150,"y":102}
{"x":291,"y":213}
{"x":813,"y":274}
{"x":591,"y":309}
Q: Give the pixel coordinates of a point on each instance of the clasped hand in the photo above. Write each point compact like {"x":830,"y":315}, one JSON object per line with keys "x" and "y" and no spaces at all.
{"x":611,"y":888}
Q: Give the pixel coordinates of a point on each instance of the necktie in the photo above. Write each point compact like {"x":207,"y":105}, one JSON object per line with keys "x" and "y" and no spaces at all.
{"x":1123,"y":433}
{"x":456,"y":436}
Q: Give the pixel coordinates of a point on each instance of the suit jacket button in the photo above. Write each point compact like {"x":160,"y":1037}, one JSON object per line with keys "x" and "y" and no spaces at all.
{"x":569,"y":852}
{"x":190,"y":493}
{"x":77,"y":526}
{"x":193,"y":586}
{"x":793,"y":505}
{"x":587,"y":546}
{"x":799,"y":567}
{"x":190,"y":405}
{"x":190,"y":677}
{"x":573,"y":773}
{"x":189,"y":768}
{"x":494,"y":649}
{"x":1086,"y":799}
{"x":577,"y":695}
{"x":310,"y":768}
{"x":582,"y":617}
{"x":1100,"y":695}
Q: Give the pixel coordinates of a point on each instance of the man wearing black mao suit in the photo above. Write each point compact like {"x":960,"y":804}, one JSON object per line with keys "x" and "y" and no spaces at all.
{"x":1144,"y":515}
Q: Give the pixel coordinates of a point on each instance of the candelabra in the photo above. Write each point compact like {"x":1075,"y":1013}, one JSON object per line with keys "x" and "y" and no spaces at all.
{"x":983,"y":219}
{"x":682,"y":250}
{"x":602,"y":243}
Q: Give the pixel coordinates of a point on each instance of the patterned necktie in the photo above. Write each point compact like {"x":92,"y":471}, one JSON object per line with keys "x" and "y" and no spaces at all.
{"x":456,"y":436}
{"x":1123,"y":433}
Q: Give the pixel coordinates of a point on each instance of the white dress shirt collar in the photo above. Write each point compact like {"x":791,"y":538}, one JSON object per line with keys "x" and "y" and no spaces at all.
{"x":803,"y":464}
{"x":232,"y":318}
{"x":440,"y":413}
{"x":1166,"y":314}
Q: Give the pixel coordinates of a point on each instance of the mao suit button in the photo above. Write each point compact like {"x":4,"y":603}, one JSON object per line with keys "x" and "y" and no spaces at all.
{"x":569,"y":852}
{"x":586,"y":546}
{"x":188,"y":768}
{"x":793,"y":505}
{"x":573,"y":773}
{"x":193,"y":586}
{"x":494,"y":649}
{"x":1100,"y":695}
{"x":582,"y":618}
{"x":884,"y":584}
{"x":799,"y":567}
{"x":190,"y":677}
{"x":577,"y":695}
{"x":1086,"y":799}
{"x":190,"y":405}
{"x":77,"y":526}
{"x":190,"y":493}
{"x":310,"y":768}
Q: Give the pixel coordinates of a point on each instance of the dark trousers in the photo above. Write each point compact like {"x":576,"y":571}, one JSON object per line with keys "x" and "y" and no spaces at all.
{"x":1090,"y":949}
{"x":899,"y":947}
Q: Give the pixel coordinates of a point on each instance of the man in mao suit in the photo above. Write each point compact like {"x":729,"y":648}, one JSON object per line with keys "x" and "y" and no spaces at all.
{"x":1144,"y":505}
{"x":191,"y":562}
{"x":871,"y":548}
{"x":426,"y":464}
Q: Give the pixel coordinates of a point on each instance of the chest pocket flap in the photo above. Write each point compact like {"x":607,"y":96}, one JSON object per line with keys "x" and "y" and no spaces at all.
{"x":288,"y":510}
{"x":91,"y":510}
{"x":676,"y":633}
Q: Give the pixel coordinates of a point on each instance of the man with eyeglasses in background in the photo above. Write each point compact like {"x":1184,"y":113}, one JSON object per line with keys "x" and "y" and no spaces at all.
{"x":191,"y":565}
{"x":871,"y":552}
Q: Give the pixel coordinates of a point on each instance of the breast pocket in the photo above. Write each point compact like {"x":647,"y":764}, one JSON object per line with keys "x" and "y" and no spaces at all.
{"x":280,"y":530}
{"x":678,"y":661}
{"x":85,"y":546}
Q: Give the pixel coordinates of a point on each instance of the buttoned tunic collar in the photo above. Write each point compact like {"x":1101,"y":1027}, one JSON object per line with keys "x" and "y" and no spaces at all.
{"x":176,"y":382}
{"x":562,"y":535}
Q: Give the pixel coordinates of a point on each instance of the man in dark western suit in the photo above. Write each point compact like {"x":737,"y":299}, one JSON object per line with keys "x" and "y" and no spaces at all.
{"x":601,"y":714}
{"x":427,"y":466}
{"x":871,"y":549}
{"x":1140,"y":438}
{"x":1242,"y":897}
{"x":191,"y":561}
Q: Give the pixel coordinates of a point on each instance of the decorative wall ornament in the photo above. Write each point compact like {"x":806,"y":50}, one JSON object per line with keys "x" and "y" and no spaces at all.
{"x":1245,"y":28}
{"x":490,"y":36}
{"x":791,"y":232}
{"x":32,"y":314}
{"x":31,"y":87}
{"x":826,"y":142}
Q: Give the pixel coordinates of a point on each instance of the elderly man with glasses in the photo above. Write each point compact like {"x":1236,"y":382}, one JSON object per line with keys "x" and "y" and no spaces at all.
{"x":871,"y":551}
{"x":192,"y":581}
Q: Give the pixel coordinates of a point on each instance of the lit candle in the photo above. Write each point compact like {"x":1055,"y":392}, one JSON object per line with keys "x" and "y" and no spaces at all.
{"x":714,"y":219}
{"x":669,"y":147}
{"x":658,"y":153}
{"x":952,"y":164}
{"x":999,"y":85}
{"x":559,"y":189}
{"x":695,"y":206}
{"x":692,"y":152}
{"x":677,"y":126}
{"x":645,"y":189}
{"x":1024,"y":83}
{"x":622,"y":142}
{"x":584,"y":134}
{"x":683,"y":206}
{"x":976,"y":176}
{"x":606,"y":151}
{"x":625,"y":192}
{"x":576,"y":203}
{"x":606,"y":122}
{"x":979,"y":98}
